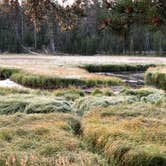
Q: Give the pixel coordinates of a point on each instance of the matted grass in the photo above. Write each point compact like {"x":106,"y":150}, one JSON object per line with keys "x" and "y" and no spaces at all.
{"x":85,"y":104}
{"x":42,"y":140}
{"x":143,"y":95}
{"x":111,"y":132}
{"x":142,"y":92}
{"x":156,"y":77}
{"x":33,"y":103}
{"x":128,"y":134}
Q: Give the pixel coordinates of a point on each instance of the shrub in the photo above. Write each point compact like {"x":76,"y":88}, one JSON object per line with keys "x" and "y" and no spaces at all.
{"x":156,"y":77}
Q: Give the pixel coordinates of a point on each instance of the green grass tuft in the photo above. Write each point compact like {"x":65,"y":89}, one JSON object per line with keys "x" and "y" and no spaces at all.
{"x":156,"y":77}
{"x":7,"y":72}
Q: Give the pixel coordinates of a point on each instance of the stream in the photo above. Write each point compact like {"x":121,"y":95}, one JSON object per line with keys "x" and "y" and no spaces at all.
{"x":134,"y":79}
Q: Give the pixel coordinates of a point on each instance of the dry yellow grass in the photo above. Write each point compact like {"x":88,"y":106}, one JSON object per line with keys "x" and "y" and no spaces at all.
{"x":130,"y":135}
{"x":42,"y":140}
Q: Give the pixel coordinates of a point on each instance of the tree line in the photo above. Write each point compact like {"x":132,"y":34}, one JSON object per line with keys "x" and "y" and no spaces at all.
{"x":19,"y":34}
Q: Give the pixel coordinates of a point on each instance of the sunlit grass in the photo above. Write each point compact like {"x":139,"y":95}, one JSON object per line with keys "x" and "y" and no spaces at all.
{"x":125,"y":129}
{"x":41,"y":139}
{"x":128,"y":134}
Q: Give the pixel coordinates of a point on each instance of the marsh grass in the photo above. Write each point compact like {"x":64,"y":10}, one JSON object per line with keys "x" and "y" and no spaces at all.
{"x":69,"y":93}
{"x":7,"y":72}
{"x":40,"y":127}
{"x":95,"y":68}
{"x":141,"y":92}
{"x":32,"y":103}
{"x":28,"y":140}
{"x":156,"y":77}
{"x":48,"y":82}
{"x":128,"y":134}
{"x":6,"y":91}
{"x":102,"y":92}
{"x":85,"y":104}
{"x":53,"y":81}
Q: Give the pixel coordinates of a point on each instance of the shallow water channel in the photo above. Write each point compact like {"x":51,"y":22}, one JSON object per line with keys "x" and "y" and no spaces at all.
{"x":134,"y":79}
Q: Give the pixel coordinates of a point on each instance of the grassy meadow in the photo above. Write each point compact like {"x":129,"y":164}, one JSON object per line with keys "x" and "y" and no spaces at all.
{"x":65,"y":114}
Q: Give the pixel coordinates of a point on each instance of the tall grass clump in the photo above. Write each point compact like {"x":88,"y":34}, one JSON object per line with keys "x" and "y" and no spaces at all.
{"x":102,"y":92}
{"x":48,"y":82}
{"x":44,"y":82}
{"x":156,"y":77}
{"x":70,"y":94}
{"x":33,"y":140}
{"x":7,"y":72}
{"x":95,"y":68}
{"x":128,"y":134}
{"x":53,"y":82}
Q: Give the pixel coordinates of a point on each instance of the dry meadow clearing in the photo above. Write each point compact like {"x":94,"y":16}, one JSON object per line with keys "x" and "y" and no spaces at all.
{"x":67,"y":66}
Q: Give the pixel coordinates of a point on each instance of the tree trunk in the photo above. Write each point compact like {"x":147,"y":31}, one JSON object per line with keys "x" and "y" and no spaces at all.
{"x":131,"y":45}
{"x":52,"y":43}
{"x":35,"y":37}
